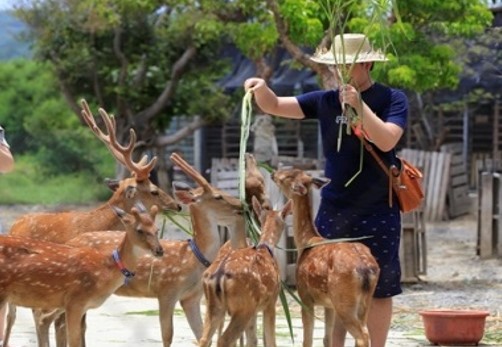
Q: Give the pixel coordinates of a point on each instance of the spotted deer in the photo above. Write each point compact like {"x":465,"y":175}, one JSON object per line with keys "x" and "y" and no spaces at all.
{"x":177,"y":276}
{"x":246,"y":282}
{"x":40,"y":274}
{"x":60,"y":227}
{"x":339,"y":276}
{"x":254,"y":187}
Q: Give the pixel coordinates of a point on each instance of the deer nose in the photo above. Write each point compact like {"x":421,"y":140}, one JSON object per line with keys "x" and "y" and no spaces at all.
{"x":159,"y":251}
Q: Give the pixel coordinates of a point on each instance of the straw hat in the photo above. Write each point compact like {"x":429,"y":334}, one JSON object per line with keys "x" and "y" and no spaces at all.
{"x":356,"y":47}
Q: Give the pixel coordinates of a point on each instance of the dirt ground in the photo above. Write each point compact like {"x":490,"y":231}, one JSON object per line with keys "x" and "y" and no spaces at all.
{"x":456,"y":277}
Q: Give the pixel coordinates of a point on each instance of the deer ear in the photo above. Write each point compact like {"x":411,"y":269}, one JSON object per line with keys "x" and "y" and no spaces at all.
{"x":320,"y":182}
{"x":287,"y":209}
{"x":123,"y":215}
{"x":112,"y":184}
{"x":256,"y":205}
{"x":140,"y":206}
{"x":153,"y":211}
{"x":118,"y":211}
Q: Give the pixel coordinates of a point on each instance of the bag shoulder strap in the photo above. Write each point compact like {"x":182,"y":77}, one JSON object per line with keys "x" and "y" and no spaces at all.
{"x":392,"y":172}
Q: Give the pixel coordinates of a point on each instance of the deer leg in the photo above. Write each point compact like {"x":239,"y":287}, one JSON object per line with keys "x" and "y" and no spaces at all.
{"x":60,"y":329}
{"x":43,"y":320}
{"x":329,"y":323}
{"x":269,"y":325}
{"x":237,"y":325}
{"x":251,"y":335}
{"x":83,"y":325}
{"x":308,"y":324}
{"x":74,"y":325}
{"x":11,"y":319}
{"x":166,"y":311}
{"x":354,"y":324}
{"x":191,"y":307}
{"x":213,"y":320}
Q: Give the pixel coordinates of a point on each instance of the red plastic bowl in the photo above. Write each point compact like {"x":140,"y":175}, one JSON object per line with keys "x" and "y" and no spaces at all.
{"x":454,"y":327}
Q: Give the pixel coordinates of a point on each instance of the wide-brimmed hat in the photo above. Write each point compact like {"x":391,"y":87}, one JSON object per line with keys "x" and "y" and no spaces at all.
{"x":348,"y":49}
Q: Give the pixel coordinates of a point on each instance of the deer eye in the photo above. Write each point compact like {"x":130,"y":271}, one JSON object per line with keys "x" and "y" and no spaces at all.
{"x":155,"y":192}
{"x":140,"y":231}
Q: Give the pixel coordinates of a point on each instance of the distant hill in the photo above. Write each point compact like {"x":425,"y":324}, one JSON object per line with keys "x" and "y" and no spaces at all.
{"x":10,"y":44}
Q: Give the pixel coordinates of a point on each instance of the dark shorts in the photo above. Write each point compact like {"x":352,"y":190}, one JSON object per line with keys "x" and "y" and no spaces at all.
{"x":385,"y":234}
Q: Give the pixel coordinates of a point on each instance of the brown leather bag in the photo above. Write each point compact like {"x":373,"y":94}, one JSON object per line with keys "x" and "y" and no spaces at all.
{"x":408,"y":187}
{"x":406,"y":183}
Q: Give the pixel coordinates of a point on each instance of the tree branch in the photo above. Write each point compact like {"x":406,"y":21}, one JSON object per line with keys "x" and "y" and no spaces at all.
{"x":296,"y":52}
{"x":165,"y":97}
{"x":124,"y":64}
{"x":165,"y":140}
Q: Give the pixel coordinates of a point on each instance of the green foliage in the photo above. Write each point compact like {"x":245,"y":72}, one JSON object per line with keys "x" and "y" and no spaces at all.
{"x":37,"y":120}
{"x":419,"y":60}
{"x":305,"y":24}
{"x":145,"y":61}
{"x":26,"y":185}
{"x":253,"y":39}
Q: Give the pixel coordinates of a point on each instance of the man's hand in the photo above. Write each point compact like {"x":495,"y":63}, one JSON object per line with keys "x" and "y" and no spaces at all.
{"x":254,"y":83}
{"x":350,"y":96}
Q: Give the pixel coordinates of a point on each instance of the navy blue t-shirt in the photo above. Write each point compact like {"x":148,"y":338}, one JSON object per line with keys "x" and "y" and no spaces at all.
{"x":368,"y":192}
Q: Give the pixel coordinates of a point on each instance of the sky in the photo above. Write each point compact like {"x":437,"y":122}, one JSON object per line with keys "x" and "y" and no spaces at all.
{"x":6,"y":4}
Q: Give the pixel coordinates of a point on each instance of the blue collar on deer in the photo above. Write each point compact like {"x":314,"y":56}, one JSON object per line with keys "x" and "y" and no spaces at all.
{"x":127,"y":273}
{"x":198,"y":254}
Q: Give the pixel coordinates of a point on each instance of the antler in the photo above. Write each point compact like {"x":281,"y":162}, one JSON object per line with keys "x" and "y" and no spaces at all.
{"x":141,"y":169}
{"x":190,"y":171}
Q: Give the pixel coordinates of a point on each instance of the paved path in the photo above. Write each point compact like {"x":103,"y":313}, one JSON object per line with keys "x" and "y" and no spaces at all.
{"x":124,"y":322}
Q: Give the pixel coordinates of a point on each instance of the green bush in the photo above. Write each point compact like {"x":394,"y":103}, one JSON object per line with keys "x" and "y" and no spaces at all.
{"x":27,"y":185}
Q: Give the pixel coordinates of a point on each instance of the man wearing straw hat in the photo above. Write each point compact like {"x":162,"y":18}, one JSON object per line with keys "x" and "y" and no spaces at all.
{"x":355,"y":203}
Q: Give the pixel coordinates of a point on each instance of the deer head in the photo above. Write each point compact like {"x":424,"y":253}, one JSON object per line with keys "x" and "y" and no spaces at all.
{"x":205,"y":192}
{"x":138,"y":186}
{"x":255,"y":183}
{"x":141,"y":227}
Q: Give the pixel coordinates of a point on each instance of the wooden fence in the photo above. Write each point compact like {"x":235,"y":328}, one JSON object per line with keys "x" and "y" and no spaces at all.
{"x":445,"y":182}
{"x":489,"y":229}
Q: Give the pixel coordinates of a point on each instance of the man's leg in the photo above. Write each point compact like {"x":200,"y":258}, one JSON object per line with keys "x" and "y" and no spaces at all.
{"x":379,"y":320}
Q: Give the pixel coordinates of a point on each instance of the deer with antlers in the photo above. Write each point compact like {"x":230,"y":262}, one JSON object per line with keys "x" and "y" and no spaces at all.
{"x":340,"y":276}
{"x":177,"y":276}
{"x":246,"y":281}
{"x":47,"y":275}
{"x":60,"y":227}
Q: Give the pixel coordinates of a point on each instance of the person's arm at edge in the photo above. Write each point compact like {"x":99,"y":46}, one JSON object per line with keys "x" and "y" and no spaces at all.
{"x":6,"y":159}
{"x":270,"y":103}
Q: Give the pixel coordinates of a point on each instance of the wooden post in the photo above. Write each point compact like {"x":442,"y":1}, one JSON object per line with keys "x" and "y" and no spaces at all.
{"x":497,"y":215}
{"x":496,"y":113}
{"x":485,"y":216}
{"x":408,"y":251}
